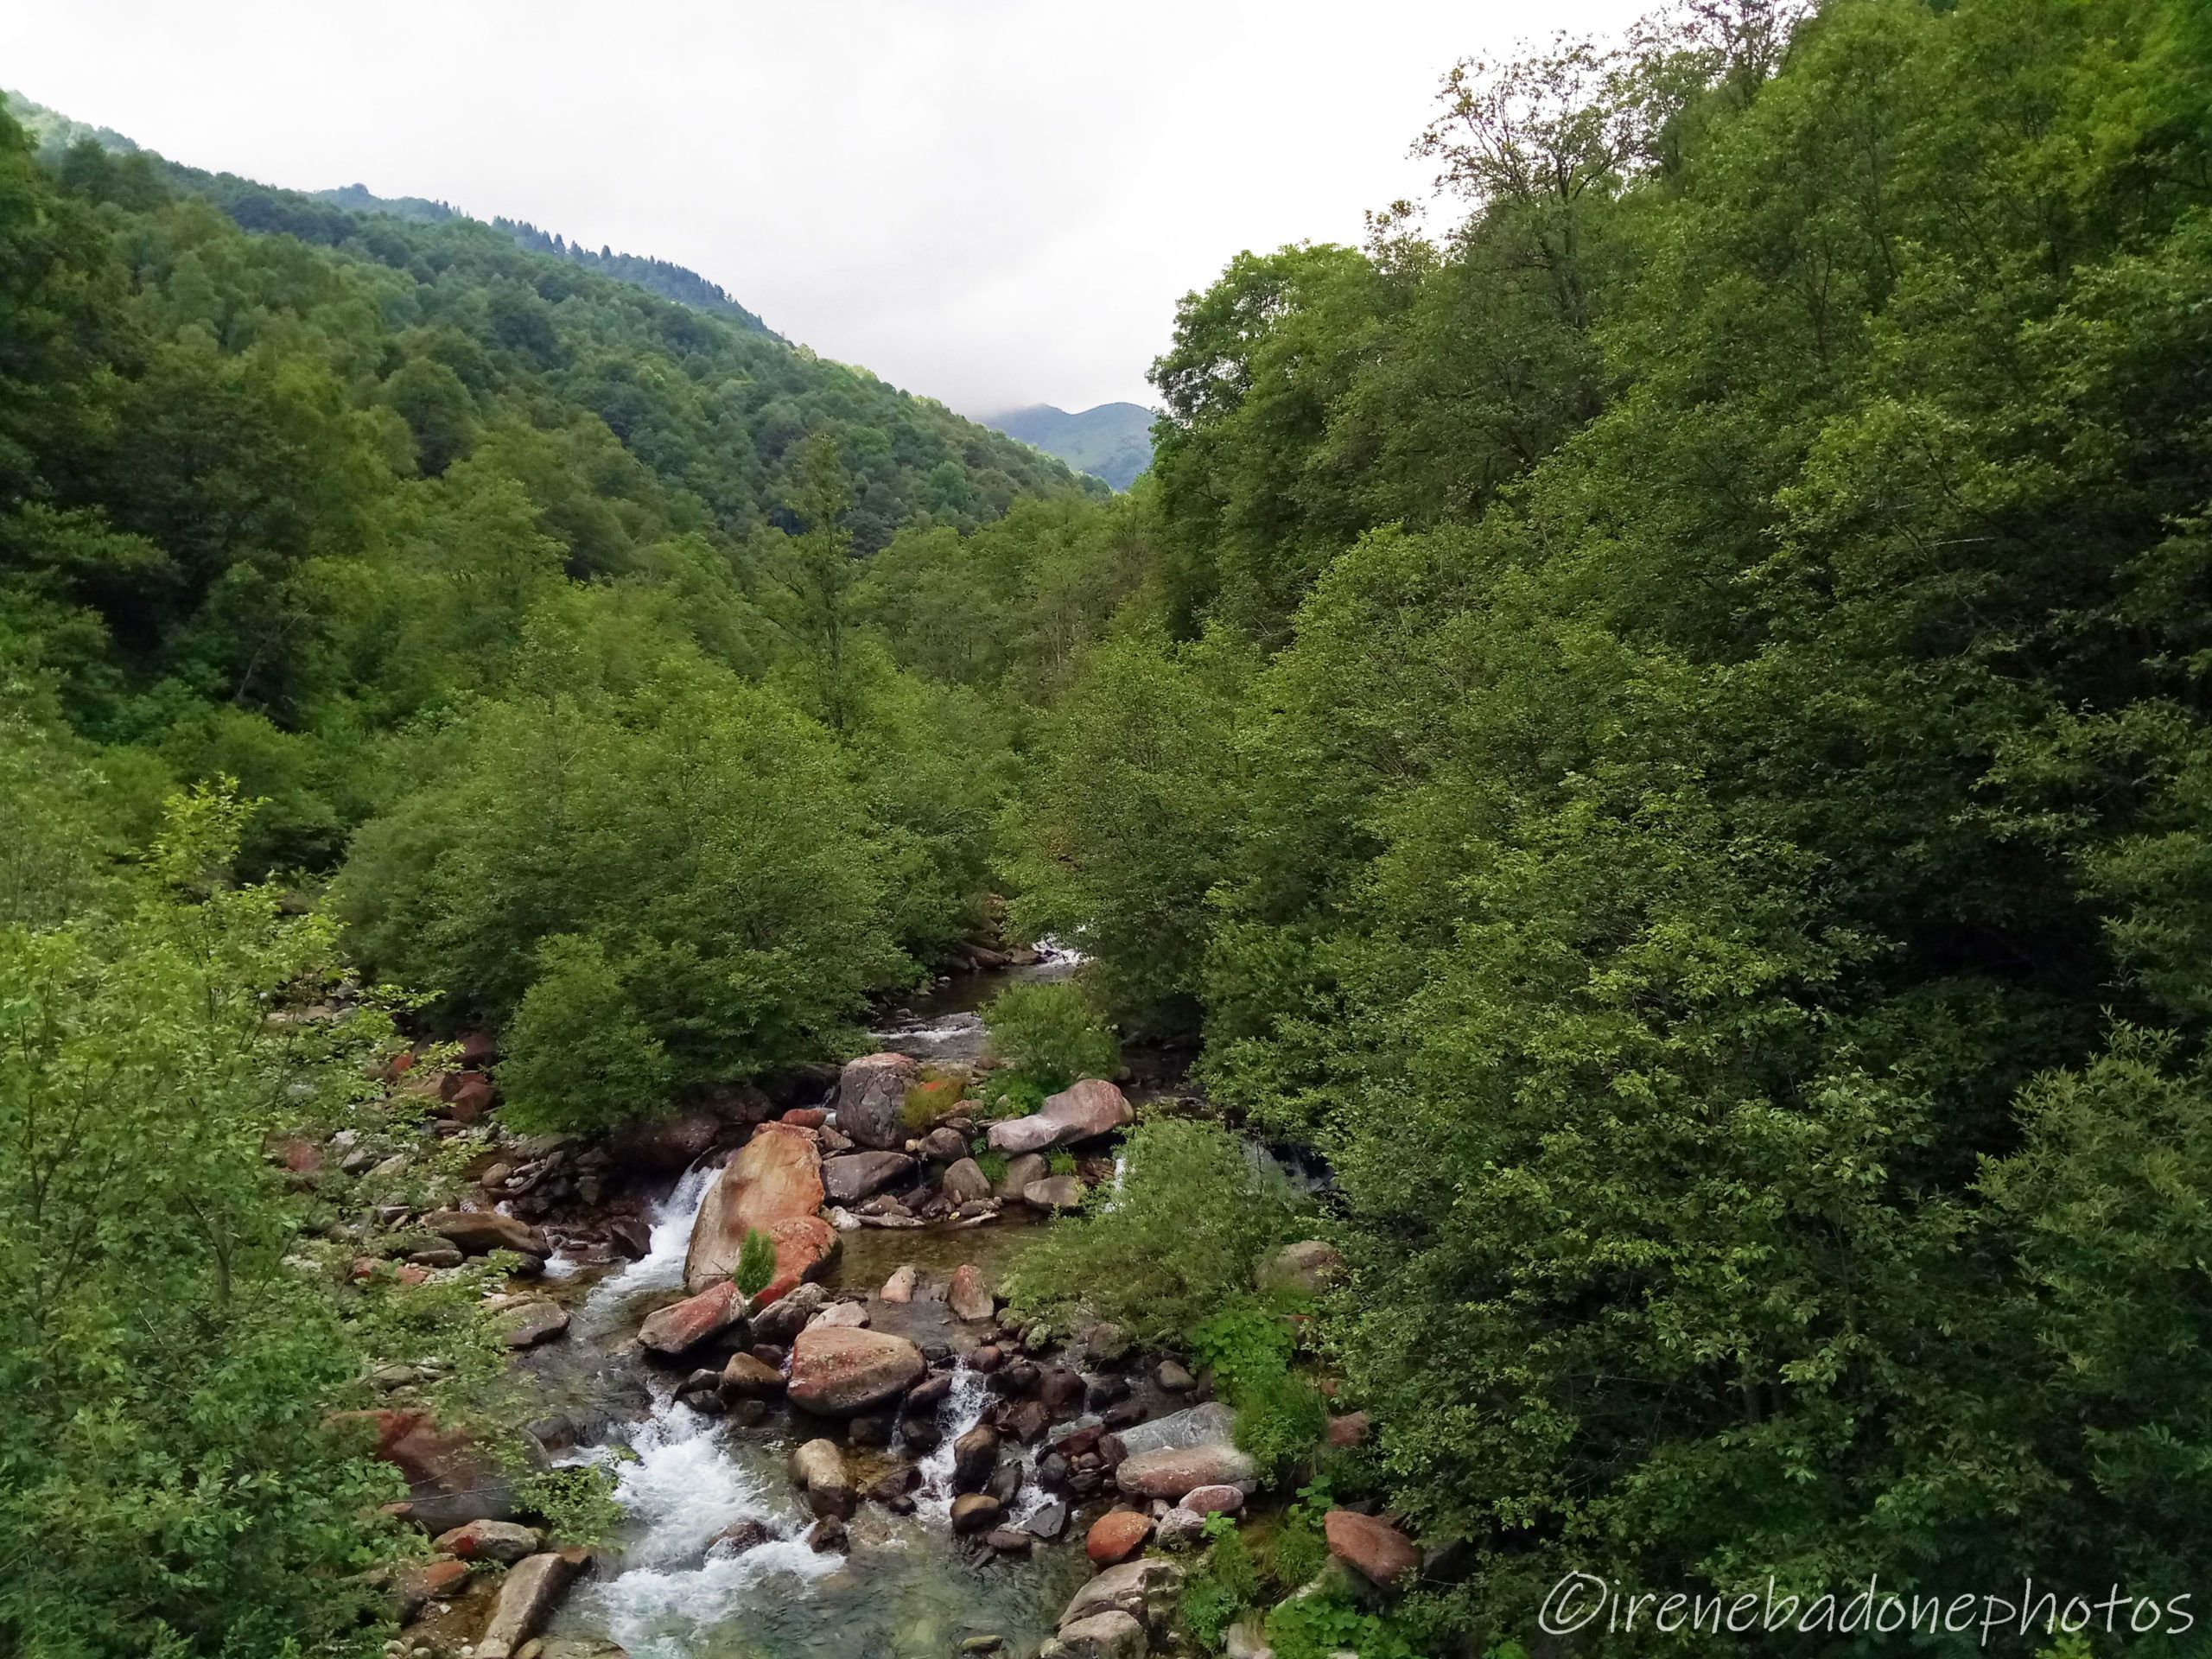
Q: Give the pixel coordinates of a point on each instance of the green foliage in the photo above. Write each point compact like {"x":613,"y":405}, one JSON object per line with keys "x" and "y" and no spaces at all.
{"x":756,"y":1263}
{"x":1049,"y":1035}
{"x":166,"y":1373}
{"x":578,"y":1057}
{"x":994,"y":1165}
{"x":576,"y":1503}
{"x":1060,"y":1163}
{"x":1222,"y":1587}
{"x":1315,"y":1627}
{"x":1177,"y":1241}
{"x":1249,"y":1345}
{"x":928,"y":1100}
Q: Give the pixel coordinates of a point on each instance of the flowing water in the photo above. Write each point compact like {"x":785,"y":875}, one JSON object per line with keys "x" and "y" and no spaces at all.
{"x":906,"y":1589}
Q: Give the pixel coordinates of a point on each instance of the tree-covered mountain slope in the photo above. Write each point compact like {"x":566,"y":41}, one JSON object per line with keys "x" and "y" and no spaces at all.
{"x":1111,"y":441}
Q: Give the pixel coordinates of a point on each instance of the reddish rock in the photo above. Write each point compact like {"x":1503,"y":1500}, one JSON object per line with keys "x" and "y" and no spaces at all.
{"x":1350,"y":1429}
{"x":1172,"y":1470}
{"x":451,"y":1479}
{"x":488,"y":1541}
{"x":805,"y":1117}
{"x":300,"y":1157}
{"x":969,"y":1295}
{"x":478,"y":1048}
{"x":411,"y":1274}
{"x":468,"y":1095}
{"x":872,"y":1099}
{"x":1116,"y":1536}
{"x":418,"y":1586}
{"x":841,"y":1371}
{"x":899,"y":1286}
{"x":684,"y":1326}
{"x":803,"y":1247}
{"x":479,"y":1232}
{"x":1377,"y":1550}
{"x":776,"y":1177}
{"x":400,"y":1063}
{"x":1214,"y":1500}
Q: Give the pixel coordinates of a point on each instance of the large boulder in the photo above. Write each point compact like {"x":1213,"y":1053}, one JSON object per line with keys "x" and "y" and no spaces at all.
{"x":818,"y":1469}
{"x":684,"y":1326}
{"x":1019,"y":1172}
{"x":527,"y":1597}
{"x":781,"y":1322}
{"x":1146,"y":1589}
{"x":776,"y":1177}
{"x":1376,"y":1550}
{"x":1175,"y":1470}
{"x":1055,"y":1193}
{"x":969,"y":1294}
{"x":529,"y":1321}
{"x":803,"y":1247}
{"x":852,"y":1178}
{"x":964,"y":1182}
{"x":839,"y":1372}
{"x":1109,"y":1634}
{"x":479,"y":1232}
{"x":452,"y":1477}
{"x":872,"y":1099}
{"x":1086,"y":1109}
{"x":488,"y":1541}
{"x":975,"y":1459}
{"x":976,"y":1512}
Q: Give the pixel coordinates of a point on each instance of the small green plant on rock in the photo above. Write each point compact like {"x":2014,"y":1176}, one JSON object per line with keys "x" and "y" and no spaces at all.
{"x":756,"y":1263}
{"x":576,"y":1503}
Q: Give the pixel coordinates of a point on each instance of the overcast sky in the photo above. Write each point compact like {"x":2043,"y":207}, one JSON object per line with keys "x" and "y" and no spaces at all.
{"x":994,"y":202}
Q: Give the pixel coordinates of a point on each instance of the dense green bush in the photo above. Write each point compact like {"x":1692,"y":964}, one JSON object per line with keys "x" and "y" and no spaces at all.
{"x":1049,"y":1035}
{"x":578,"y":1057}
{"x":1175,"y":1242}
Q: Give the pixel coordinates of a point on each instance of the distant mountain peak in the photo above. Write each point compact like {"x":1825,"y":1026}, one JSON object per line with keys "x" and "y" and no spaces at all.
{"x":1112,"y":441}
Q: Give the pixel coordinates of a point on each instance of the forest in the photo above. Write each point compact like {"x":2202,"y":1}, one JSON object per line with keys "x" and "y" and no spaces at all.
{"x":1652,"y":721}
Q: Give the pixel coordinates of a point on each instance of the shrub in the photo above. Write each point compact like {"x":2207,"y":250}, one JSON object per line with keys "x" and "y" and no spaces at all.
{"x":1220,"y":1587}
{"x":1049,"y":1035}
{"x":1174,"y":1243}
{"x":579,"y":1058}
{"x":928,"y":1100}
{"x":1280,"y":1416}
{"x":992,"y":1164}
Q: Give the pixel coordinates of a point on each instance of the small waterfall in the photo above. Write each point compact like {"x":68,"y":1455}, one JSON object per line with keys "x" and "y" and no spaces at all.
{"x":962,"y":1409}
{"x":661,"y":1267}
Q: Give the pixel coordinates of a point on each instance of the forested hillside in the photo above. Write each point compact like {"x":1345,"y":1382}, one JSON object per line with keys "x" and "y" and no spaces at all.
{"x":1112,"y":441}
{"x":1651,"y":737}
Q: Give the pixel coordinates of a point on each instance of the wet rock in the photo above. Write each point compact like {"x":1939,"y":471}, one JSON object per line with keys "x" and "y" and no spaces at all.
{"x":965,"y":1182}
{"x":1175,"y":1378}
{"x":1116,"y":1535}
{"x":740,"y":1536}
{"x":895,"y":1483}
{"x":1010,"y":1541}
{"x":1172,"y":1470}
{"x":856,"y":1175}
{"x":805,"y":1117}
{"x":974,"y":1455}
{"x":929,"y":1394}
{"x":1055,"y":1193}
{"x":479,"y":1232}
{"x":684,"y":1326}
{"x":1026,"y":1419}
{"x":974,"y":1512}
{"x":838,"y":1372}
{"x":1060,"y":1389}
{"x":1088,"y":1108}
{"x":899,"y":1289}
{"x":818,"y":1470}
{"x":826,"y":1536}
{"x":985,"y":1359}
{"x":1005,"y":1483}
{"x":1307,"y":1268}
{"x":747,"y":1379}
{"x":969,"y":1295}
{"x":531,"y":1321}
{"x":527,"y":1596}
{"x":874,"y":1430}
{"x":782,"y":1320}
{"x":1019,"y":1172}
{"x":1099,"y":1392}
{"x":872,"y":1096}
{"x":983,"y":1644}
{"x":775,"y":1179}
{"x":631,"y":1237}
{"x":851,"y":1316}
{"x":944,"y":1145}
{"x":702,"y":1391}
{"x":488,"y":1541}
{"x":1102,"y":1636}
{"x":1376,"y":1550}
{"x":1048,"y":1522}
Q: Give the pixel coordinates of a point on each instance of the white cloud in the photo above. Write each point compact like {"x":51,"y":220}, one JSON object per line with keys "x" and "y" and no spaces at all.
{"x":990,"y":201}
